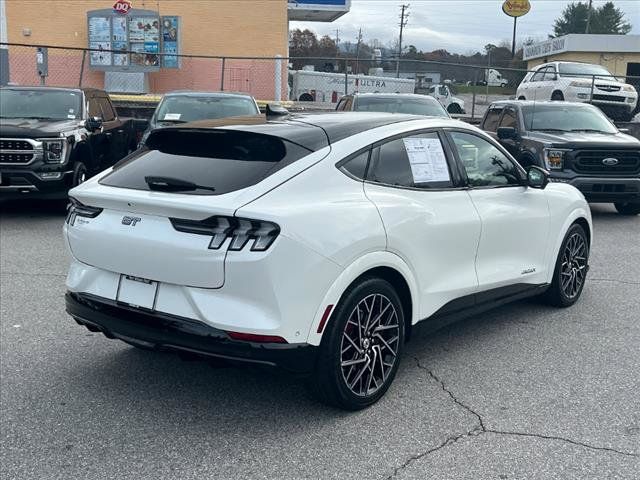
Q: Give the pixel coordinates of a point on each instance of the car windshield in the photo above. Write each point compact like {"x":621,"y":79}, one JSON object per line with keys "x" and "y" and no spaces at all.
{"x":415,"y":106}
{"x":583,"y":69}
{"x":187,"y":108}
{"x":566,"y":118}
{"x":40,"y":104}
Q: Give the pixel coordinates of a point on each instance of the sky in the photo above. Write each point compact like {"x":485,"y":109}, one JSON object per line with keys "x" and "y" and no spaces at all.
{"x":459,"y":26}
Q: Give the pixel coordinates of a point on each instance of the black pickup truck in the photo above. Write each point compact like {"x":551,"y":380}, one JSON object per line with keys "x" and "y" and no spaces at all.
{"x":576,"y":142}
{"x":52,"y":139}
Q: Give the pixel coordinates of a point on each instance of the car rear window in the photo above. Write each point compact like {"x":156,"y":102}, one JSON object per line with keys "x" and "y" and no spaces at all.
{"x":189,"y":108}
{"x":216,"y":161}
{"x":426,"y":106}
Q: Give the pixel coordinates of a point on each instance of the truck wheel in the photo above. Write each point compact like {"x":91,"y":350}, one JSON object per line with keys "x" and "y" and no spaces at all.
{"x":628,"y":208}
{"x":571,"y":269}
{"x":360,"y":350}
{"x":557,"y":96}
{"x":306,"y":97}
{"x":454,"y":108}
{"x":80,"y":174}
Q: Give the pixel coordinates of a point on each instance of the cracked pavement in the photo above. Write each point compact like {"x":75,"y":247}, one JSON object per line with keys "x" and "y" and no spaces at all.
{"x":522,"y":392}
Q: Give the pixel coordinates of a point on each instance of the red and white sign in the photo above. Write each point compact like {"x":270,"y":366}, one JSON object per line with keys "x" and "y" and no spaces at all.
{"x":122,"y":6}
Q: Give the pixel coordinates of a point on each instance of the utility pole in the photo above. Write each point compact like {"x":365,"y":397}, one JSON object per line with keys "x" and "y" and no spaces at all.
{"x":358,"y":50}
{"x":404,"y":18}
{"x":589,"y":17}
{"x":335,"y":68}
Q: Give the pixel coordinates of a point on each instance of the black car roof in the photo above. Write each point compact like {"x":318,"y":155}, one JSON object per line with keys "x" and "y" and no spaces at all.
{"x":310,"y":130}
{"x":526,"y":103}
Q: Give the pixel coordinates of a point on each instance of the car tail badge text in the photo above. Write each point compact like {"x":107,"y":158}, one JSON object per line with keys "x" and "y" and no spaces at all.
{"x":130,"y":220}
{"x":610,"y":161}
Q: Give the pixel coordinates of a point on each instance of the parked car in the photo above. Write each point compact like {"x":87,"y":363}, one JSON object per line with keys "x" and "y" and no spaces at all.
{"x":577,"y":143}
{"x":52,"y":139}
{"x":316,"y":242}
{"x":443,"y":94}
{"x":392,"y":103}
{"x":189,"y":106}
{"x":574,"y":82}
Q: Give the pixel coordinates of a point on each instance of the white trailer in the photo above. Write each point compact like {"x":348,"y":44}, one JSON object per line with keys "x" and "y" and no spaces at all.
{"x":329,"y":87}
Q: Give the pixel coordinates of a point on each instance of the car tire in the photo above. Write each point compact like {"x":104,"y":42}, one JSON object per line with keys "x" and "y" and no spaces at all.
{"x":349,"y":343}
{"x":454,"y":108}
{"x":557,"y":96}
{"x":570,"y":272}
{"x":80,"y":174}
{"x":628,"y":208}
{"x":521,"y":97}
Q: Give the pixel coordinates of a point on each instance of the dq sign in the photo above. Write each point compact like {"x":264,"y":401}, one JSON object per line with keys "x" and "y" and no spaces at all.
{"x":122,"y":7}
{"x":516,"y":8}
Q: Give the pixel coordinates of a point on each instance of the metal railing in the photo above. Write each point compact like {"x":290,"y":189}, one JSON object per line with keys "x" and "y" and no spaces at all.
{"x":464,"y":89}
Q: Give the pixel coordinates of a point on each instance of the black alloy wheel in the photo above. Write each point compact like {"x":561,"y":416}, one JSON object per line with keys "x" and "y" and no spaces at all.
{"x":571,"y":268}
{"x":361,"y":347}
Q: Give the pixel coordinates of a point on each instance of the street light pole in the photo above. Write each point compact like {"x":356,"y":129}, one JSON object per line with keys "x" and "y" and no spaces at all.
{"x":513,"y":43}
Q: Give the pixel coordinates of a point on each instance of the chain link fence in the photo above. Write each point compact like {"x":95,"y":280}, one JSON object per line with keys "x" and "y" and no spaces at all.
{"x":313,"y":83}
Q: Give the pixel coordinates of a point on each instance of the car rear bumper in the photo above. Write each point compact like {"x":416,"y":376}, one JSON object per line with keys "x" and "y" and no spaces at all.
{"x":607,"y":189}
{"x":172,"y":333}
{"x":19,"y":184}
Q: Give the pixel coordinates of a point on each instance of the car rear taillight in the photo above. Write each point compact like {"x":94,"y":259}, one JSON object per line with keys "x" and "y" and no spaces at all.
{"x":77,"y":209}
{"x":241,"y":231}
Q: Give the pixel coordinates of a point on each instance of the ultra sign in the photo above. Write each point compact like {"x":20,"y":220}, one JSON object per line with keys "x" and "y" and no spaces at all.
{"x":122,"y":6}
{"x":516,"y":8}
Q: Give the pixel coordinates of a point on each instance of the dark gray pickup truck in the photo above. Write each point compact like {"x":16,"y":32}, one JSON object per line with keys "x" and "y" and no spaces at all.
{"x":52,"y":139}
{"x":576,"y":142}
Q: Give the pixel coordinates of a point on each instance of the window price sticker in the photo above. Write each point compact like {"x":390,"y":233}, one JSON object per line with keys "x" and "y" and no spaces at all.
{"x":427,"y":160}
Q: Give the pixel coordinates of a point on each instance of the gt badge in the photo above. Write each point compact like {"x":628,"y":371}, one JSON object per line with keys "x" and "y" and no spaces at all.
{"x":130,"y":220}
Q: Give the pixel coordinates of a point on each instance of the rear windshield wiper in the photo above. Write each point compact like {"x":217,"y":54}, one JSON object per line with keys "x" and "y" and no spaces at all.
{"x":172,"y":121}
{"x":32,"y":117}
{"x":171,"y":184}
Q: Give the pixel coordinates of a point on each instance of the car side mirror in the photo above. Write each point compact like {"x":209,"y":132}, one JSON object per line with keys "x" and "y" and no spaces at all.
{"x":93,"y":123}
{"x":276,"y":110}
{"x":505,"y":133}
{"x":537,"y":177}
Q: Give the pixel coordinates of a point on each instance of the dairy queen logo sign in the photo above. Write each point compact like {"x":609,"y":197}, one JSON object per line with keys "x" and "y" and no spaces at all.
{"x":122,"y":7}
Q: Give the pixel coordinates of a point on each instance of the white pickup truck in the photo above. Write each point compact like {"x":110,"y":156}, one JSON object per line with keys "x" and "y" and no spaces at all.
{"x":442,"y":93}
{"x":307,"y":86}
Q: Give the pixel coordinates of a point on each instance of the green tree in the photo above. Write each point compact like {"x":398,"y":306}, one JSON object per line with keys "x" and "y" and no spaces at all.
{"x":607,"y":19}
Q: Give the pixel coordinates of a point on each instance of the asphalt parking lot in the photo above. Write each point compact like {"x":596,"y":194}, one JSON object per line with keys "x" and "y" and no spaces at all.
{"x":524,"y":392}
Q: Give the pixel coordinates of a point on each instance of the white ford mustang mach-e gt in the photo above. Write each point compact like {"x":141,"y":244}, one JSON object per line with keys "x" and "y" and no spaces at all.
{"x":316,"y":242}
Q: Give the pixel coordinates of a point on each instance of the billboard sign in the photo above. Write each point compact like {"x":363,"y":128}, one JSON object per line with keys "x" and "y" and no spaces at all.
{"x":516,"y":8}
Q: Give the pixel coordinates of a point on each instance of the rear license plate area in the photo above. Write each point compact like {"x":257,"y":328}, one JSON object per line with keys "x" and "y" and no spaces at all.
{"x":137,"y":292}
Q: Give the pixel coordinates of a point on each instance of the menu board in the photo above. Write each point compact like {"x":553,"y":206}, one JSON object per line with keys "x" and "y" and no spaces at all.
{"x":140,"y":41}
{"x":170,"y":29}
{"x":119,"y":29}
{"x":100,"y":54}
{"x":99,"y":29}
